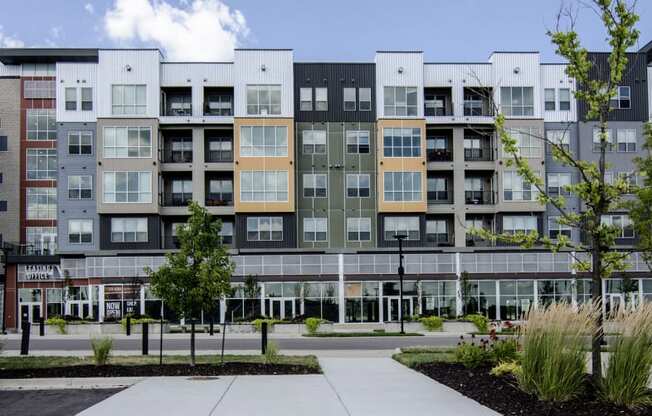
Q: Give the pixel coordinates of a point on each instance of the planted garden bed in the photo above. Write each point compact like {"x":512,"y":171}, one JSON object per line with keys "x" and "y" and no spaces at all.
{"x":362,"y":334}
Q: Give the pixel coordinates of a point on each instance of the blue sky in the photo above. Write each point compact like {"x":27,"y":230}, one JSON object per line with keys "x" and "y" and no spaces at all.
{"x":331,"y":30}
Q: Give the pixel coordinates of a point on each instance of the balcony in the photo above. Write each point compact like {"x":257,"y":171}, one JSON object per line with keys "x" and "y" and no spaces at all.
{"x":177,"y":189}
{"x":218,"y":102}
{"x":175,"y":199}
{"x":439,"y":231}
{"x":484,"y":222}
{"x":176,"y":102}
{"x":171,"y":242}
{"x":478,"y":102}
{"x":439,"y":145}
{"x":478,"y":146}
{"x":177,"y":146}
{"x":479,"y":197}
{"x":218,"y":146}
{"x":438,"y":102}
{"x":440,"y":190}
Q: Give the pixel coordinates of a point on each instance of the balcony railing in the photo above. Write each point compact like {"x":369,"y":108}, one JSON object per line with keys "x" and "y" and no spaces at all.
{"x":219,"y":200}
{"x":440,"y":197}
{"x":431,"y":110}
{"x":175,"y":156}
{"x":171,"y":242}
{"x":479,"y":197}
{"x":439,"y":155}
{"x":476,"y":155}
{"x":440,"y":239}
{"x":175,"y":199}
{"x":216,"y":156}
{"x":178,"y":109}
{"x":30,"y":249}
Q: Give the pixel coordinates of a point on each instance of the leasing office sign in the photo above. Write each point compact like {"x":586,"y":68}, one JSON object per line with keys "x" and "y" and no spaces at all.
{"x":39,"y":272}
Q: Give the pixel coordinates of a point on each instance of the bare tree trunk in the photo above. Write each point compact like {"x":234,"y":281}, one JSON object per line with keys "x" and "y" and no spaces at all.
{"x":596,"y":297}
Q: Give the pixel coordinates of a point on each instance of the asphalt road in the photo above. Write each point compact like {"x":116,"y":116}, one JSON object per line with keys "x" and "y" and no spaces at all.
{"x":50,"y":402}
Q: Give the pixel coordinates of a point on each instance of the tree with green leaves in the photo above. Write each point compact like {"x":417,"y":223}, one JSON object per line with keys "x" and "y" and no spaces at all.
{"x":198,"y":274}
{"x":595,"y":254}
{"x":251,"y":291}
{"x":640,"y":209}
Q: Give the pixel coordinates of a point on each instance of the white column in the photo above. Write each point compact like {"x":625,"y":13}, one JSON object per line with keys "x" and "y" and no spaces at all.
{"x":536,"y":293}
{"x":574,"y":282}
{"x":90,"y":301}
{"x":100,"y":304}
{"x":498,"y":300}
{"x":262,"y":299}
{"x":340,"y":291}
{"x":603,"y":282}
{"x":222,"y":310}
{"x":142,"y":299}
{"x":380,"y":308}
{"x":459,"y":308}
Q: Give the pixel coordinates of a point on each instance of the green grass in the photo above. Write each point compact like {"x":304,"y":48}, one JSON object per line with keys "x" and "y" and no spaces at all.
{"x":362,"y":334}
{"x":426,"y":356}
{"x":7,"y":363}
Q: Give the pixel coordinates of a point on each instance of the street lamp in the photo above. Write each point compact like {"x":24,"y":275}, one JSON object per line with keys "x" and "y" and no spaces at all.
{"x":401,"y":271}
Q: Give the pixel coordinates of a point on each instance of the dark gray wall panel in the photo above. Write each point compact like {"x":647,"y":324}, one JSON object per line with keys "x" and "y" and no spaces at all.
{"x":289,"y":232}
{"x":153,"y":233}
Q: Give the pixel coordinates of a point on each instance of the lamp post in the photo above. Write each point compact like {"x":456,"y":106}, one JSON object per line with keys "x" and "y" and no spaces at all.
{"x":401,"y":271}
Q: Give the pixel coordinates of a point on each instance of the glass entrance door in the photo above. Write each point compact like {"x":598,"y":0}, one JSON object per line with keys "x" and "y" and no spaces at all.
{"x":282,"y":308}
{"x":393,"y":310}
{"x":48,"y":243}
{"x":30,"y":312}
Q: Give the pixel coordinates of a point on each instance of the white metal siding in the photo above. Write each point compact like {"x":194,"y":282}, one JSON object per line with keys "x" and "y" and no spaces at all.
{"x":9,"y":70}
{"x":554,"y":76}
{"x":279,"y":70}
{"x":77,"y":75}
{"x":387,"y":75}
{"x":145,"y":70}
{"x":528,"y":75}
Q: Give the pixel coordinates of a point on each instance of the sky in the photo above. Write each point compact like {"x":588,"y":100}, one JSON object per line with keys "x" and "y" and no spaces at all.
{"x":324,"y":31}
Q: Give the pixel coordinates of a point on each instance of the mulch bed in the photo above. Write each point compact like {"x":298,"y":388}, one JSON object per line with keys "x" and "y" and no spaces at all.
{"x":149,"y":370}
{"x":502,"y":395}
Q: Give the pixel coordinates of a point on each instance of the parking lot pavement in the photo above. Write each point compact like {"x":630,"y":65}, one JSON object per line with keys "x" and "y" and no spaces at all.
{"x":50,"y":402}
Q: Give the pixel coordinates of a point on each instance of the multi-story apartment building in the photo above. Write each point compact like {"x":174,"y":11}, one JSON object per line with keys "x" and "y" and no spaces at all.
{"x":313,"y":168}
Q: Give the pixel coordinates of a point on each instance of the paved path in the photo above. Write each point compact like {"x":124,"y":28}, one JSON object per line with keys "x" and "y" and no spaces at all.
{"x":349,"y":386}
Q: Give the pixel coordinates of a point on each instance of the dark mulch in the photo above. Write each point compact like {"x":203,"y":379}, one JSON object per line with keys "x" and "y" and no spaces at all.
{"x":149,"y":370}
{"x":502,"y":395}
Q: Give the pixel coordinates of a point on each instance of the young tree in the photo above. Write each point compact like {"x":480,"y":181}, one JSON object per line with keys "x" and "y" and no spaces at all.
{"x":595,"y":254}
{"x":199,"y":273}
{"x":251,"y":291}
{"x":640,"y":209}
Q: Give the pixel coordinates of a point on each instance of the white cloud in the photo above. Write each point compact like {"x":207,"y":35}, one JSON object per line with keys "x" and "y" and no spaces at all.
{"x":89,"y":8}
{"x":205,"y":30}
{"x":7,"y":41}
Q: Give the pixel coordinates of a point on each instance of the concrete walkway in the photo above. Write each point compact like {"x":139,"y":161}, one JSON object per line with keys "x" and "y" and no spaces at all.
{"x":349,"y":386}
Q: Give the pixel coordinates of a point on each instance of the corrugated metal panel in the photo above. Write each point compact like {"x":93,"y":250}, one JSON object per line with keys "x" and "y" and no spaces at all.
{"x":649,"y":91}
{"x":457,"y":77}
{"x":9,"y":70}
{"x":517,"y":70}
{"x":388,"y":65}
{"x":278,"y":70}
{"x":554,"y":76}
{"x":128,"y":67}
{"x":76,"y":75}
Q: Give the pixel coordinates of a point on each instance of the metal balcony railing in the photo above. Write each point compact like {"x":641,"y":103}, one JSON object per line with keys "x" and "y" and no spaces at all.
{"x":175,"y":199}
{"x":439,"y":155}
{"x":176,"y":156}
{"x":30,"y":249}
{"x":484,"y":153}
{"x":219,"y":200}
{"x":479,"y":197}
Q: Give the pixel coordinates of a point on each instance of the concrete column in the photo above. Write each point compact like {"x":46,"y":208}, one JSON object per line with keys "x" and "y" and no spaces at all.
{"x":497,"y":300}
{"x":340,"y":288}
{"x":458,"y":187}
{"x":198,"y":177}
{"x":536,"y":294}
{"x":222,"y":310}
{"x":90,"y":301}
{"x":142,"y":299}
{"x":262,"y":299}
{"x":380,"y":301}
{"x":100,"y":304}
{"x":574,"y":282}
{"x":459,"y":308}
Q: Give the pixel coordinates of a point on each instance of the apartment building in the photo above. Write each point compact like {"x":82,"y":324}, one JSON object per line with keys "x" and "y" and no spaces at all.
{"x":312,"y":168}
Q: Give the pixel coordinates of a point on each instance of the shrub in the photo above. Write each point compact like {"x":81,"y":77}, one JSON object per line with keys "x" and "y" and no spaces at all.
{"x":553,"y":360}
{"x":504,"y":350}
{"x":59,"y":322}
{"x":432,"y":323}
{"x":271,"y":353}
{"x":472,"y":355}
{"x":481,"y":322}
{"x":101,"y":350}
{"x":137,"y":321}
{"x":505,"y":368}
{"x":258,"y":323}
{"x":312,"y":324}
{"x":626,"y":380}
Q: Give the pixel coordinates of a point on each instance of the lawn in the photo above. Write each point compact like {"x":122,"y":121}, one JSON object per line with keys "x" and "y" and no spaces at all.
{"x":414,"y":356}
{"x":362,"y":334}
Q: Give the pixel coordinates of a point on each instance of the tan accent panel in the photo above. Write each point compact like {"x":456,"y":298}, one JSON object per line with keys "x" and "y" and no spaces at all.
{"x":401,"y":164}
{"x":265,"y":164}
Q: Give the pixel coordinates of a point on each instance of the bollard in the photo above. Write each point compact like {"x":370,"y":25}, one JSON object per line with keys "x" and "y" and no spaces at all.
{"x":211,"y":330}
{"x":128,"y":325}
{"x":263,"y":338}
{"x":41,"y":327}
{"x":24,"y":343}
{"x":192,"y":339}
{"x":145,"y":338}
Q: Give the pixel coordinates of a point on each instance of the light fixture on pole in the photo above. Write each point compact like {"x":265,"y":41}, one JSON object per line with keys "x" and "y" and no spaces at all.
{"x":401,"y":272}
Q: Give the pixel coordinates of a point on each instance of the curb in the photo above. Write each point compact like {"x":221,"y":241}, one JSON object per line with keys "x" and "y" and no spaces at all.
{"x":68,"y":383}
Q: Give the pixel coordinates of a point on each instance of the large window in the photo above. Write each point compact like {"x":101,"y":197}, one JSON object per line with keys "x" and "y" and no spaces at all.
{"x":516,"y":298}
{"x":550,"y":101}
{"x":305,"y":99}
{"x":129,"y":230}
{"x":80,"y":231}
{"x":626,"y":139}
{"x":437,"y":231}
{"x":400,"y":101}
{"x":220,"y":149}
{"x":357,"y":141}
{"x":596,"y":141}
{"x":364,"y":99}
{"x":557,"y":184}
{"x":564,"y":99}
{"x":315,"y":185}
{"x":268,"y":141}
{"x":358,"y":229}
{"x":264,"y":228}
{"x":41,"y":124}
{"x":560,"y":137}
{"x":314,"y":142}
{"x":622,"y":99}
{"x":128,"y":99}
{"x":260,"y":186}
{"x":555,"y":229}
{"x":402,"y":142}
{"x":71,"y":99}
{"x":315,"y":229}
{"x":128,"y":187}
{"x":41,"y":203}
{"x":80,"y":187}
{"x":517,"y":101}
{"x":357,"y":185}
{"x":513,"y":224}
{"x":517,"y":189}
{"x":80,"y":143}
{"x":227,"y":233}
{"x":41,"y":239}
{"x":528,"y":141}
{"x":437,"y":189}
{"x":439,"y":298}
{"x":621,"y":223}
{"x":263,"y":99}
{"x":127,"y":142}
{"x":555,"y":291}
{"x":408,"y":226}
{"x":349,"y":99}
{"x":41,"y":164}
{"x":87,"y":99}
{"x":402,"y":186}
{"x":220,"y":192}
{"x":321,"y":99}
{"x":40,"y":89}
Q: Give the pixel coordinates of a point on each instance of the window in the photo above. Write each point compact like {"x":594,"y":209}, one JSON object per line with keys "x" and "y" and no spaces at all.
{"x":473,"y":148}
{"x":517,"y":101}
{"x":35,"y":89}
{"x":220,"y":149}
{"x":557,"y":183}
{"x":80,"y":231}
{"x":629,"y":177}
{"x":621,"y":223}
{"x":550,"y":101}
{"x":560,"y":137}
{"x":41,"y":124}
{"x":268,"y":141}
{"x":402,"y":142}
{"x":181,"y":191}
{"x":218,"y":104}
{"x":220,"y":192}
{"x":626,"y":139}
{"x":41,"y":164}
{"x":437,"y":231}
{"x":41,"y":203}
{"x":402,"y":186}
{"x":180,"y":150}
{"x":128,"y":187}
{"x":321,"y":99}
{"x":314,"y":142}
{"x":473,"y":104}
{"x":3,"y":144}
{"x":80,"y":143}
{"x":71,"y":99}
{"x":3,"y":206}
{"x":260,"y":186}
{"x":474,"y":190}
{"x":400,"y":101}
{"x":227,"y":233}
{"x":564,"y":99}
{"x":129,"y":230}
{"x":357,"y":141}
{"x":555,"y":229}
{"x":364,"y":99}
{"x":517,"y":189}
{"x":358,"y":229}
{"x":127,"y":142}
{"x":314,"y":185}
{"x":128,"y":99}
{"x":357,"y":185}
{"x":315,"y":229}
{"x":435,"y":104}
{"x":622,"y":99}
{"x":513,"y":224}
{"x":349,"y":99}
{"x":437,"y":189}
{"x":596,"y":141}
{"x":305,"y":99}
{"x":263,"y":99}
{"x":528,"y":141}
{"x":41,"y":239}
{"x":87,"y":99}
{"x":80,"y":187}
{"x":408,"y":226}
{"x":265,"y":229}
